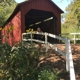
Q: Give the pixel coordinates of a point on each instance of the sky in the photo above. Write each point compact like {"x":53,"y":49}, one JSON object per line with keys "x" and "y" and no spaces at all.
{"x":61,"y":4}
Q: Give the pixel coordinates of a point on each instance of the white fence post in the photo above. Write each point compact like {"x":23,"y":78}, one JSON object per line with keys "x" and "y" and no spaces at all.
{"x":74,"y":39}
{"x":69,"y":60}
{"x":31,"y":37}
{"x":46,"y":44}
{"x":22,"y":38}
{"x":67,"y":55}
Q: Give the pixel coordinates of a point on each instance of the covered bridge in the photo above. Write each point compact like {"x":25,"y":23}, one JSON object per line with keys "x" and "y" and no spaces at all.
{"x":32,"y":14}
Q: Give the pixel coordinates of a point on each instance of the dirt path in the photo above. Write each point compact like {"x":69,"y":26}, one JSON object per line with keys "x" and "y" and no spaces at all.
{"x":57,"y":61}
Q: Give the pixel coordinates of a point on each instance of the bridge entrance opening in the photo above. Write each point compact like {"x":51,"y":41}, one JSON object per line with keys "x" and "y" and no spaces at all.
{"x":47,"y":21}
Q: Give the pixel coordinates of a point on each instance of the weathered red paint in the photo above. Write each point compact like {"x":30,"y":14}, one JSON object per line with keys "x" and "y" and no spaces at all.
{"x":17,"y":19}
{"x":13,"y":35}
{"x":46,"y":5}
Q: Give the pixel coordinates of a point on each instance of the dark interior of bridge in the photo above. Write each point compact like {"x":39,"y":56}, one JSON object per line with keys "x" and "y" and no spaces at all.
{"x":47,"y":21}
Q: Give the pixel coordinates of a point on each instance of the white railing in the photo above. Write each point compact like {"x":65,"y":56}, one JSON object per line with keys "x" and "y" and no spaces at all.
{"x":74,"y":39}
{"x":67,"y":53}
{"x":74,"y":36}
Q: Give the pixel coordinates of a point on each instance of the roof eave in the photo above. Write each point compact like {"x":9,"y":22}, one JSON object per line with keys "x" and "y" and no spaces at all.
{"x":57,"y":6}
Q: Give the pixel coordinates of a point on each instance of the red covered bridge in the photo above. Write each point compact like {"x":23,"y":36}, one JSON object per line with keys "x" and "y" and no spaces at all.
{"x":32,"y":14}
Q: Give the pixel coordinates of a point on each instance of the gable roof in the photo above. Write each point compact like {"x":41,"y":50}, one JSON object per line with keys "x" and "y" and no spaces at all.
{"x":17,"y":9}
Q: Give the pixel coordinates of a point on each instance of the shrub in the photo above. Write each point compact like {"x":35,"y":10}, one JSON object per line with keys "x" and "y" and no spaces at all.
{"x":19,"y":63}
{"x":22,"y":63}
{"x":47,"y":74}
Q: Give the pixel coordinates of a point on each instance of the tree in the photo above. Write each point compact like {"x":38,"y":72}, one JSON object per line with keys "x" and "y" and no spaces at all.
{"x":6,"y":8}
{"x":72,"y":20}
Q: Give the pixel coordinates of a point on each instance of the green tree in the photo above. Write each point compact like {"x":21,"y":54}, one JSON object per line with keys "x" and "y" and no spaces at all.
{"x":72,"y":19}
{"x":6,"y":8}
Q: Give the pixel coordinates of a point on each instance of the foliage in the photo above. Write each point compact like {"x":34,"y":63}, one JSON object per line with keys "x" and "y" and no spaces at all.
{"x":0,"y":28}
{"x":19,"y":63}
{"x":30,"y":30}
{"x":72,"y":18}
{"x":47,"y":74}
{"x":7,"y":2}
{"x":6,"y":8}
{"x":23,"y":63}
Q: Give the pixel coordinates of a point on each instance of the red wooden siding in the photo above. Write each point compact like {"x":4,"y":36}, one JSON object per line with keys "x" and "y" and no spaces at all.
{"x":13,"y":35}
{"x":17,"y":19}
{"x":44,"y":5}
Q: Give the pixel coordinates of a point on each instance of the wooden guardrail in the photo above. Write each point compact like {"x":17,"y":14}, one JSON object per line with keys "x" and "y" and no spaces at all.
{"x":67,"y":53}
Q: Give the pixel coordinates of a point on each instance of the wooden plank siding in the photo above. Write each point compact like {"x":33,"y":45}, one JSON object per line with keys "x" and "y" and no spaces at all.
{"x":17,"y":18}
{"x":44,"y":5}
{"x":13,"y":35}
